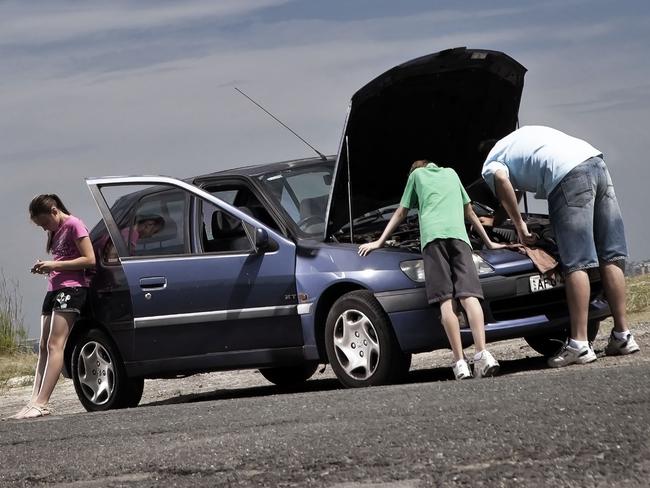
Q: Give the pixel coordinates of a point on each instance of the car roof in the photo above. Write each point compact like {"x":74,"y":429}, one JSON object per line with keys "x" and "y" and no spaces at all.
{"x":260,"y":169}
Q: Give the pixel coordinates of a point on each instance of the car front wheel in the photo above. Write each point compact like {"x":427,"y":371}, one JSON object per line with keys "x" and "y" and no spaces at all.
{"x":99,"y":376}
{"x":361,"y":345}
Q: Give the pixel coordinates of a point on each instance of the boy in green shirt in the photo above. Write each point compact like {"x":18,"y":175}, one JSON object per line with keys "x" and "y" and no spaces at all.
{"x":449,"y":269}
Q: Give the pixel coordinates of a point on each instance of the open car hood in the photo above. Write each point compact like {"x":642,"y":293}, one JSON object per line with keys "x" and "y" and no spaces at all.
{"x":437,"y":107}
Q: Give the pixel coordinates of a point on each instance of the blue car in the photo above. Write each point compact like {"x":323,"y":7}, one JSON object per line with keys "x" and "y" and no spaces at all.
{"x":257,"y":267}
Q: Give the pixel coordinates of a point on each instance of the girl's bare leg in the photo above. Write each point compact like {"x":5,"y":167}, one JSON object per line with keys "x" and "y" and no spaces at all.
{"x":60,"y":327}
{"x":40,"y":365}
{"x":42,"y":356}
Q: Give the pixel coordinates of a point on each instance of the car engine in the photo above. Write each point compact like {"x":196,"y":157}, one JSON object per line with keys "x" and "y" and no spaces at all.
{"x":407,"y":235}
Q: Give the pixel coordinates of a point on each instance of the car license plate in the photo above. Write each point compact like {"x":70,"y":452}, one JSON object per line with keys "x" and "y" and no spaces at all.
{"x":541,"y":283}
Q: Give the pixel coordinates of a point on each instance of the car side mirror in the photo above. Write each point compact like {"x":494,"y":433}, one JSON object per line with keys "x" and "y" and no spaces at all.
{"x":262,"y":241}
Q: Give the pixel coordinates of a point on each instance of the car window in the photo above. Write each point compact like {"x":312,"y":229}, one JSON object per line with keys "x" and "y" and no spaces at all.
{"x":227,"y":196}
{"x":303,"y":193}
{"x":220,"y":230}
{"x":158,"y":225}
{"x":240,"y":196}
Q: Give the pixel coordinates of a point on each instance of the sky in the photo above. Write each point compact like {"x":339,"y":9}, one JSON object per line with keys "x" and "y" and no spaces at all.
{"x":147,"y":87}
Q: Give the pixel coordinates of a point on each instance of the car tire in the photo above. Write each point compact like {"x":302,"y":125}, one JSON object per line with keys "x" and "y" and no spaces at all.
{"x":361,"y":345}
{"x":99,"y":376}
{"x":290,"y":376}
{"x":548,"y":345}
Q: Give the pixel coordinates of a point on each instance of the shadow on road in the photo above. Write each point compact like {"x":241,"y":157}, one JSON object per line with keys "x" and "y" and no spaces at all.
{"x":508,"y":367}
{"x":256,"y":391}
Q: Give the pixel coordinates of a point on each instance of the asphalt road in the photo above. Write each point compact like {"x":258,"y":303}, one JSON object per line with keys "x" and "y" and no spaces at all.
{"x":578,"y":426}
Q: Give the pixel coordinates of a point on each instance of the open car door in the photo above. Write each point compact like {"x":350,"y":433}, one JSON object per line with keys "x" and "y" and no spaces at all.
{"x":206,"y":280}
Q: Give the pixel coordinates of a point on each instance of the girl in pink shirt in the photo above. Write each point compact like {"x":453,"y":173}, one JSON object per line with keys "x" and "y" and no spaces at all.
{"x":72,"y":253}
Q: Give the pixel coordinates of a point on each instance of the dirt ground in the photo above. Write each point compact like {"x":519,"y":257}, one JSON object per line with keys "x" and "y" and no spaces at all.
{"x":512,"y":354}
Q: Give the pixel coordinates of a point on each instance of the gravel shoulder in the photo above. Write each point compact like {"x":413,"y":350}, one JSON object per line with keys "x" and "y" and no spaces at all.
{"x":515,"y":356}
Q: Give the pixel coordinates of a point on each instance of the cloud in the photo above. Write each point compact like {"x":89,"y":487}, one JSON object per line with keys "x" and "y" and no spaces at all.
{"x":65,"y":21}
{"x":625,"y":98}
{"x":69,"y":40}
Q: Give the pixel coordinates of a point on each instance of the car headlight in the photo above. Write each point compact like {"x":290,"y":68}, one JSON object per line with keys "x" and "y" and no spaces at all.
{"x":482,"y":266}
{"x":413,"y":269}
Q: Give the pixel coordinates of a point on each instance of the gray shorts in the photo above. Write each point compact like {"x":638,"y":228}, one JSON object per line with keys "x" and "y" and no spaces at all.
{"x":449,"y":271}
{"x":586,"y":218}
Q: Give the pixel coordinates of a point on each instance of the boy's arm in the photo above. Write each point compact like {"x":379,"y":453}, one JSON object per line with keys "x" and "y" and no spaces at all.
{"x":395,"y":220}
{"x":506,"y":195}
{"x":480,"y":230}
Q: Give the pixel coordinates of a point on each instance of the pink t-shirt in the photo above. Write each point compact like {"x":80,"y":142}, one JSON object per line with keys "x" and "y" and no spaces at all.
{"x":64,"y":248}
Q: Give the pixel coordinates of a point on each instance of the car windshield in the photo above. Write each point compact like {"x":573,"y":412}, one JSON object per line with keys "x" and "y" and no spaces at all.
{"x":303,"y":192}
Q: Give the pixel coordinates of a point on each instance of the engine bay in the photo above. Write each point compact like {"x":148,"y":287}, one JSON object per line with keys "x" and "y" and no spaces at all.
{"x":370,"y":226}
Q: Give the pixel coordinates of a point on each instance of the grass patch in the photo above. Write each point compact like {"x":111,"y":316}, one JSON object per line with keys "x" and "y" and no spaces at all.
{"x":638,"y":293}
{"x":12,"y":331}
{"x":15,"y":359}
{"x":16,"y":364}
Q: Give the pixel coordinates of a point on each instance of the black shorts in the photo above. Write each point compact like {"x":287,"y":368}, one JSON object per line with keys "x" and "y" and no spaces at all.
{"x":64,"y":300}
{"x":449,"y":270}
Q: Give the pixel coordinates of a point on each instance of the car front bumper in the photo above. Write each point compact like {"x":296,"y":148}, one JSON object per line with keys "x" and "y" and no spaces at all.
{"x":511,"y":310}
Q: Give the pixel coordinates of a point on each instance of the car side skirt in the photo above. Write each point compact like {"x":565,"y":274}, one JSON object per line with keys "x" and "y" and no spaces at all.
{"x":222,"y":361}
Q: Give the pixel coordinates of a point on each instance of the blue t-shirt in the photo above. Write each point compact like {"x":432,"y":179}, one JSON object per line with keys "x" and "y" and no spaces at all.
{"x":536,"y":158}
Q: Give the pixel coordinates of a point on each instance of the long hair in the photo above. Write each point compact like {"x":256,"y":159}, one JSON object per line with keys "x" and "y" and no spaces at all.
{"x":42,"y":204}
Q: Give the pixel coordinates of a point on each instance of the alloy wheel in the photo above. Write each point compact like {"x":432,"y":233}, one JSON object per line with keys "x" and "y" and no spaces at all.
{"x":96,"y":373}
{"x":356,"y":344}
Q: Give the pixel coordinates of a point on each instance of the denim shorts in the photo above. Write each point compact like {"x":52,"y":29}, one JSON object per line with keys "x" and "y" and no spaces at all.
{"x":586,"y":218}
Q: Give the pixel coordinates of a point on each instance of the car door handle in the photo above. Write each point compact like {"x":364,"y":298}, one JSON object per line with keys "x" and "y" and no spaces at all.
{"x":153,"y":283}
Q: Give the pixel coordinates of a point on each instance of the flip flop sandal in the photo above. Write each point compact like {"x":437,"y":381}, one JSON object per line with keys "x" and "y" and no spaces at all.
{"x":34,"y":412}
{"x":19,"y":414}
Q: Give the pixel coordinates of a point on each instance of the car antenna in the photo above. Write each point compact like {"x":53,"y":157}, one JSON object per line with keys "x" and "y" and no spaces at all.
{"x":322,"y":156}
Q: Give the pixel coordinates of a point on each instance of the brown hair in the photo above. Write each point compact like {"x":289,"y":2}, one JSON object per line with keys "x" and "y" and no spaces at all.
{"x":420,"y":163}
{"x":42,"y":204}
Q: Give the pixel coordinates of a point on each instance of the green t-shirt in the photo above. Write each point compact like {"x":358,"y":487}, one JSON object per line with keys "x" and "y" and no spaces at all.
{"x":440,"y":198}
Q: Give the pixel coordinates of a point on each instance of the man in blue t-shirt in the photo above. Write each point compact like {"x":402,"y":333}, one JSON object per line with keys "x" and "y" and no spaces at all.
{"x":585,"y":218}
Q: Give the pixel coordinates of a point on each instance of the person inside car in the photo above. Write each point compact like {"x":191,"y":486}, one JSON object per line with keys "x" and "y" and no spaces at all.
{"x":585,"y":218}
{"x":450,"y":274}
{"x":145,"y":227}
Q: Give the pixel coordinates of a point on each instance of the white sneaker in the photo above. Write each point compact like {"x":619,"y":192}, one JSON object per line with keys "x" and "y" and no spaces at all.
{"x":486,"y":366}
{"x":461,"y":370}
{"x":620,"y":347}
{"x":570,"y":355}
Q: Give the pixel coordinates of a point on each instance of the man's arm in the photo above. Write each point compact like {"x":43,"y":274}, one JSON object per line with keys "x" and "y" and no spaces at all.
{"x":480,"y":230}
{"x":506,"y":195}
{"x":398,"y":216}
